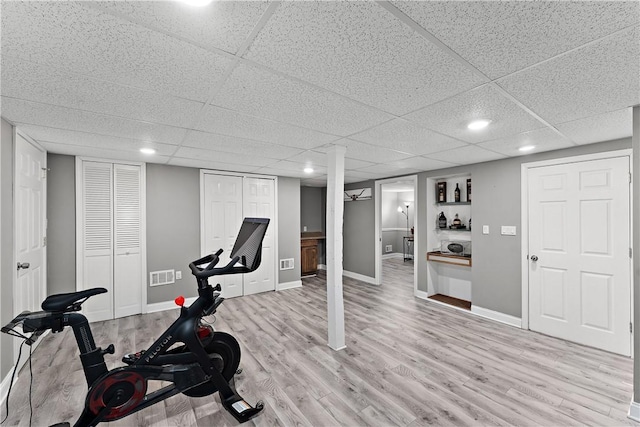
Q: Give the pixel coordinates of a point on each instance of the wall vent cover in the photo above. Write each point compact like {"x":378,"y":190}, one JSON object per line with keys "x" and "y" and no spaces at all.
{"x":286,"y":264}
{"x":163,"y":277}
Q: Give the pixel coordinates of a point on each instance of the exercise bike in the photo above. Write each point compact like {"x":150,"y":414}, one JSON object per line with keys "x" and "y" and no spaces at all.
{"x":194,"y":358}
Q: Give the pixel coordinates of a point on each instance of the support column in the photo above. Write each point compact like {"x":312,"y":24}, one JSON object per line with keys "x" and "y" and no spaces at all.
{"x":335,"y":213}
{"x":634,"y":409}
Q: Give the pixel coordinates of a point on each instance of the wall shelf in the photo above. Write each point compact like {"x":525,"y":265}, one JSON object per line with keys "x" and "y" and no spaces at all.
{"x":452,"y":203}
{"x":457,"y":230}
{"x":437,"y":256}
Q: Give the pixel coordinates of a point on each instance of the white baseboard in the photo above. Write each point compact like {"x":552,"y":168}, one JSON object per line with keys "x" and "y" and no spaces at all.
{"x":634,"y":411}
{"x":4,"y":386}
{"x":289,"y":285}
{"x":392,"y":255}
{"x":358,"y":276}
{"x":497,"y":316}
{"x":420,"y":294}
{"x":322,"y":267}
{"x":168,"y":305}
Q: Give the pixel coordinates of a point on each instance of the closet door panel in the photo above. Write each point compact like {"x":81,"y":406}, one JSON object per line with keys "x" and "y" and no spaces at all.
{"x":96,"y":238}
{"x":127,"y":240}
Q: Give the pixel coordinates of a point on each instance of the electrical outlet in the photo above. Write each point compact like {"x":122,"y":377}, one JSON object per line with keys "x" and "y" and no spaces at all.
{"x":388,"y":248}
{"x":485,"y":229}
{"x":304,"y":228}
{"x":178,"y":275}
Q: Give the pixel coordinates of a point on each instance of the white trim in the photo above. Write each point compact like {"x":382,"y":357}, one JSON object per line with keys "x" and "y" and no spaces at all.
{"x":634,"y":411}
{"x":392,"y":255}
{"x":395,"y":229}
{"x":322,"y":267}
{"x":168,"y":305}
{"x":4,"y":386}
{"x":289,"y":285}
{"x":377,"y":279}
{"x":421,"y":294}
{"x":497,"y":316}
{"x":361,"y":277}
{"x":524,"y":217}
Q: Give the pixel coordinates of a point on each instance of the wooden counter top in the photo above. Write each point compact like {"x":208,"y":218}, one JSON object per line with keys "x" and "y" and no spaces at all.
{"x":312,"y":235}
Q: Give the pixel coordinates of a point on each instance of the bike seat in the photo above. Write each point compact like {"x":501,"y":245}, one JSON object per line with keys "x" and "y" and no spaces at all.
{"x":60,"y":302}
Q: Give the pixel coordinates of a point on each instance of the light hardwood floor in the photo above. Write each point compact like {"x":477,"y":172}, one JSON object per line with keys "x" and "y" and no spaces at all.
{"x":408,"y":362}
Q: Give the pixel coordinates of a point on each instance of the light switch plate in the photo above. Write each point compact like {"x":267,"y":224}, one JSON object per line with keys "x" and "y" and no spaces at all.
{"x":485,"y":229}
{"x":508,"y":230}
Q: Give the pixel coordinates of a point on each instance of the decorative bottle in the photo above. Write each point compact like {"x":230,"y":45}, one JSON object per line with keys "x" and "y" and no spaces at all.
{"x":442,"y":220}
{"x":456,"y":194}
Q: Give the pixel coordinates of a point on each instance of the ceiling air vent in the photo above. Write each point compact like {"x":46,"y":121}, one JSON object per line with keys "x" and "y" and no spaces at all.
{"x":163,"y":277}
{"x":286,"y":264}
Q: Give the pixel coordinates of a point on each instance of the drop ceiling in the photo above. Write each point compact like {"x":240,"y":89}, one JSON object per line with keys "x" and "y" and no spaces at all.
{"x":267,"y":87}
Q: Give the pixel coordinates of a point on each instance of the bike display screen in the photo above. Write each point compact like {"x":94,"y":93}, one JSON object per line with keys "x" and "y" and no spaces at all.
{"x":248,"y":245}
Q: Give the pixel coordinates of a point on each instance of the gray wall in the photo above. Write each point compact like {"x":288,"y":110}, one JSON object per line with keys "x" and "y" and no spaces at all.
{"x":173,"y":227}
{"x":61,"y":230}
{"x":313,"y":214}
{"x":289,"y":207}
{"x":6,"y":244}
{"x":496,"y":272}
{"x":358,"y":232}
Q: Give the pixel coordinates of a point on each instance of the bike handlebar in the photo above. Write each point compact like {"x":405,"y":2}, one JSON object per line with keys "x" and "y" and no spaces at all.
{"x":210,"y":270}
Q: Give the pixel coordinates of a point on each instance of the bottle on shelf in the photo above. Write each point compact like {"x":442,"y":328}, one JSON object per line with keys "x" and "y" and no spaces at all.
{"x":456,"y":223}
{"x":456,"y":194}
{"x":442,"y":221}
{"x":469,"y":224}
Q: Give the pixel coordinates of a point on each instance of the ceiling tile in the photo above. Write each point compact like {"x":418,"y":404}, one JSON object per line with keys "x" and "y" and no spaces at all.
{"x":358,"y":176}
{"x":543,"y":140}
{"x":220,"y":25}
{"x":23,"y":112}
{"x":94,"y":43}
{"x":32,"y":82}
{"x":592,"y":80}
{"x":466,"y":155}
{"x":227,"y":122}
{"x":368,"y":153}
{"x":406,"y":136}
{"x":317,"y":158}
{"x":314,"y":182}
{"x":362,"y":51}
{"x":221,"y":157}
{"x":261,"y":93}
{"x":452,"y":116}
{"x":292,"y":173}
{"x":608,"y":126}
{"x":298,"y":168}
{"x":500,"y":37}
{"x":232,"y":144}
{"x":68,"y":137}
{"x":102,"y":153}
{"x":211,"y":164}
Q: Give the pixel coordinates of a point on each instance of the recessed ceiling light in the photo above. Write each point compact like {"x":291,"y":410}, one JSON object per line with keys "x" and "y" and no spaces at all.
{"x":527,"y":148}
{"x":308,"y":170}
{"x":198,"y":3}
{"x":478,"y":124}
{"x":147,"y":150}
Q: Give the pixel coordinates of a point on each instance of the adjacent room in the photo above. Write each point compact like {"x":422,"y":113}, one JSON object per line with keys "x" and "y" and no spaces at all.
{"x":326,"y":213}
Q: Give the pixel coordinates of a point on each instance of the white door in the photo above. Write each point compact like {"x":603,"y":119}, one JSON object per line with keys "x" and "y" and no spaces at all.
{"x":30,"y":229}
{"x":127,"y":248}
{"x":222,"y":219}
{"x":579,"y":265}
{"x":110,"y":234}
{"x":259,"y":202}
{"x":95,"y":236}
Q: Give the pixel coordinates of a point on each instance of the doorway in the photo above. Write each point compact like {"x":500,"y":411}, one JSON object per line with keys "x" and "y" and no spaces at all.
{"x":577,"y":244}
{"x":396,"y":230}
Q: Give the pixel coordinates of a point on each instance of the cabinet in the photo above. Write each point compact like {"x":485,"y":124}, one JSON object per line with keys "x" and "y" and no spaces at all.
{"x":309,"y":252}
{"x":448,"y":273}
{"x":309,"y":256}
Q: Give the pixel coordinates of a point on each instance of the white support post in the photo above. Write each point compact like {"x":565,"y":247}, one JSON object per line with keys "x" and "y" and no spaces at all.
{"x":335,"y":211}
{"x":634,"y":408}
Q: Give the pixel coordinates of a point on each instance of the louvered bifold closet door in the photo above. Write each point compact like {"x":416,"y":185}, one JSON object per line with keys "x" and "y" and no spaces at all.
{"x":96,"y":213}
{"x":127,"y":240}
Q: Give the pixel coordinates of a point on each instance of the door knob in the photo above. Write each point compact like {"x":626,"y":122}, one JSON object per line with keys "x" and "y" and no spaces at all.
{"x":534,"y":258}
{"x":24,"y":265}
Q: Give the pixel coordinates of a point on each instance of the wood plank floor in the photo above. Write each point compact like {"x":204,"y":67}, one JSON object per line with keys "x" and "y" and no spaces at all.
{"x":408,"y":362}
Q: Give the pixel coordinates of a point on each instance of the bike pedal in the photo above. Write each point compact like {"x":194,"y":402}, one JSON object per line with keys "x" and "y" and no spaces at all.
{"x":132,"y":358}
